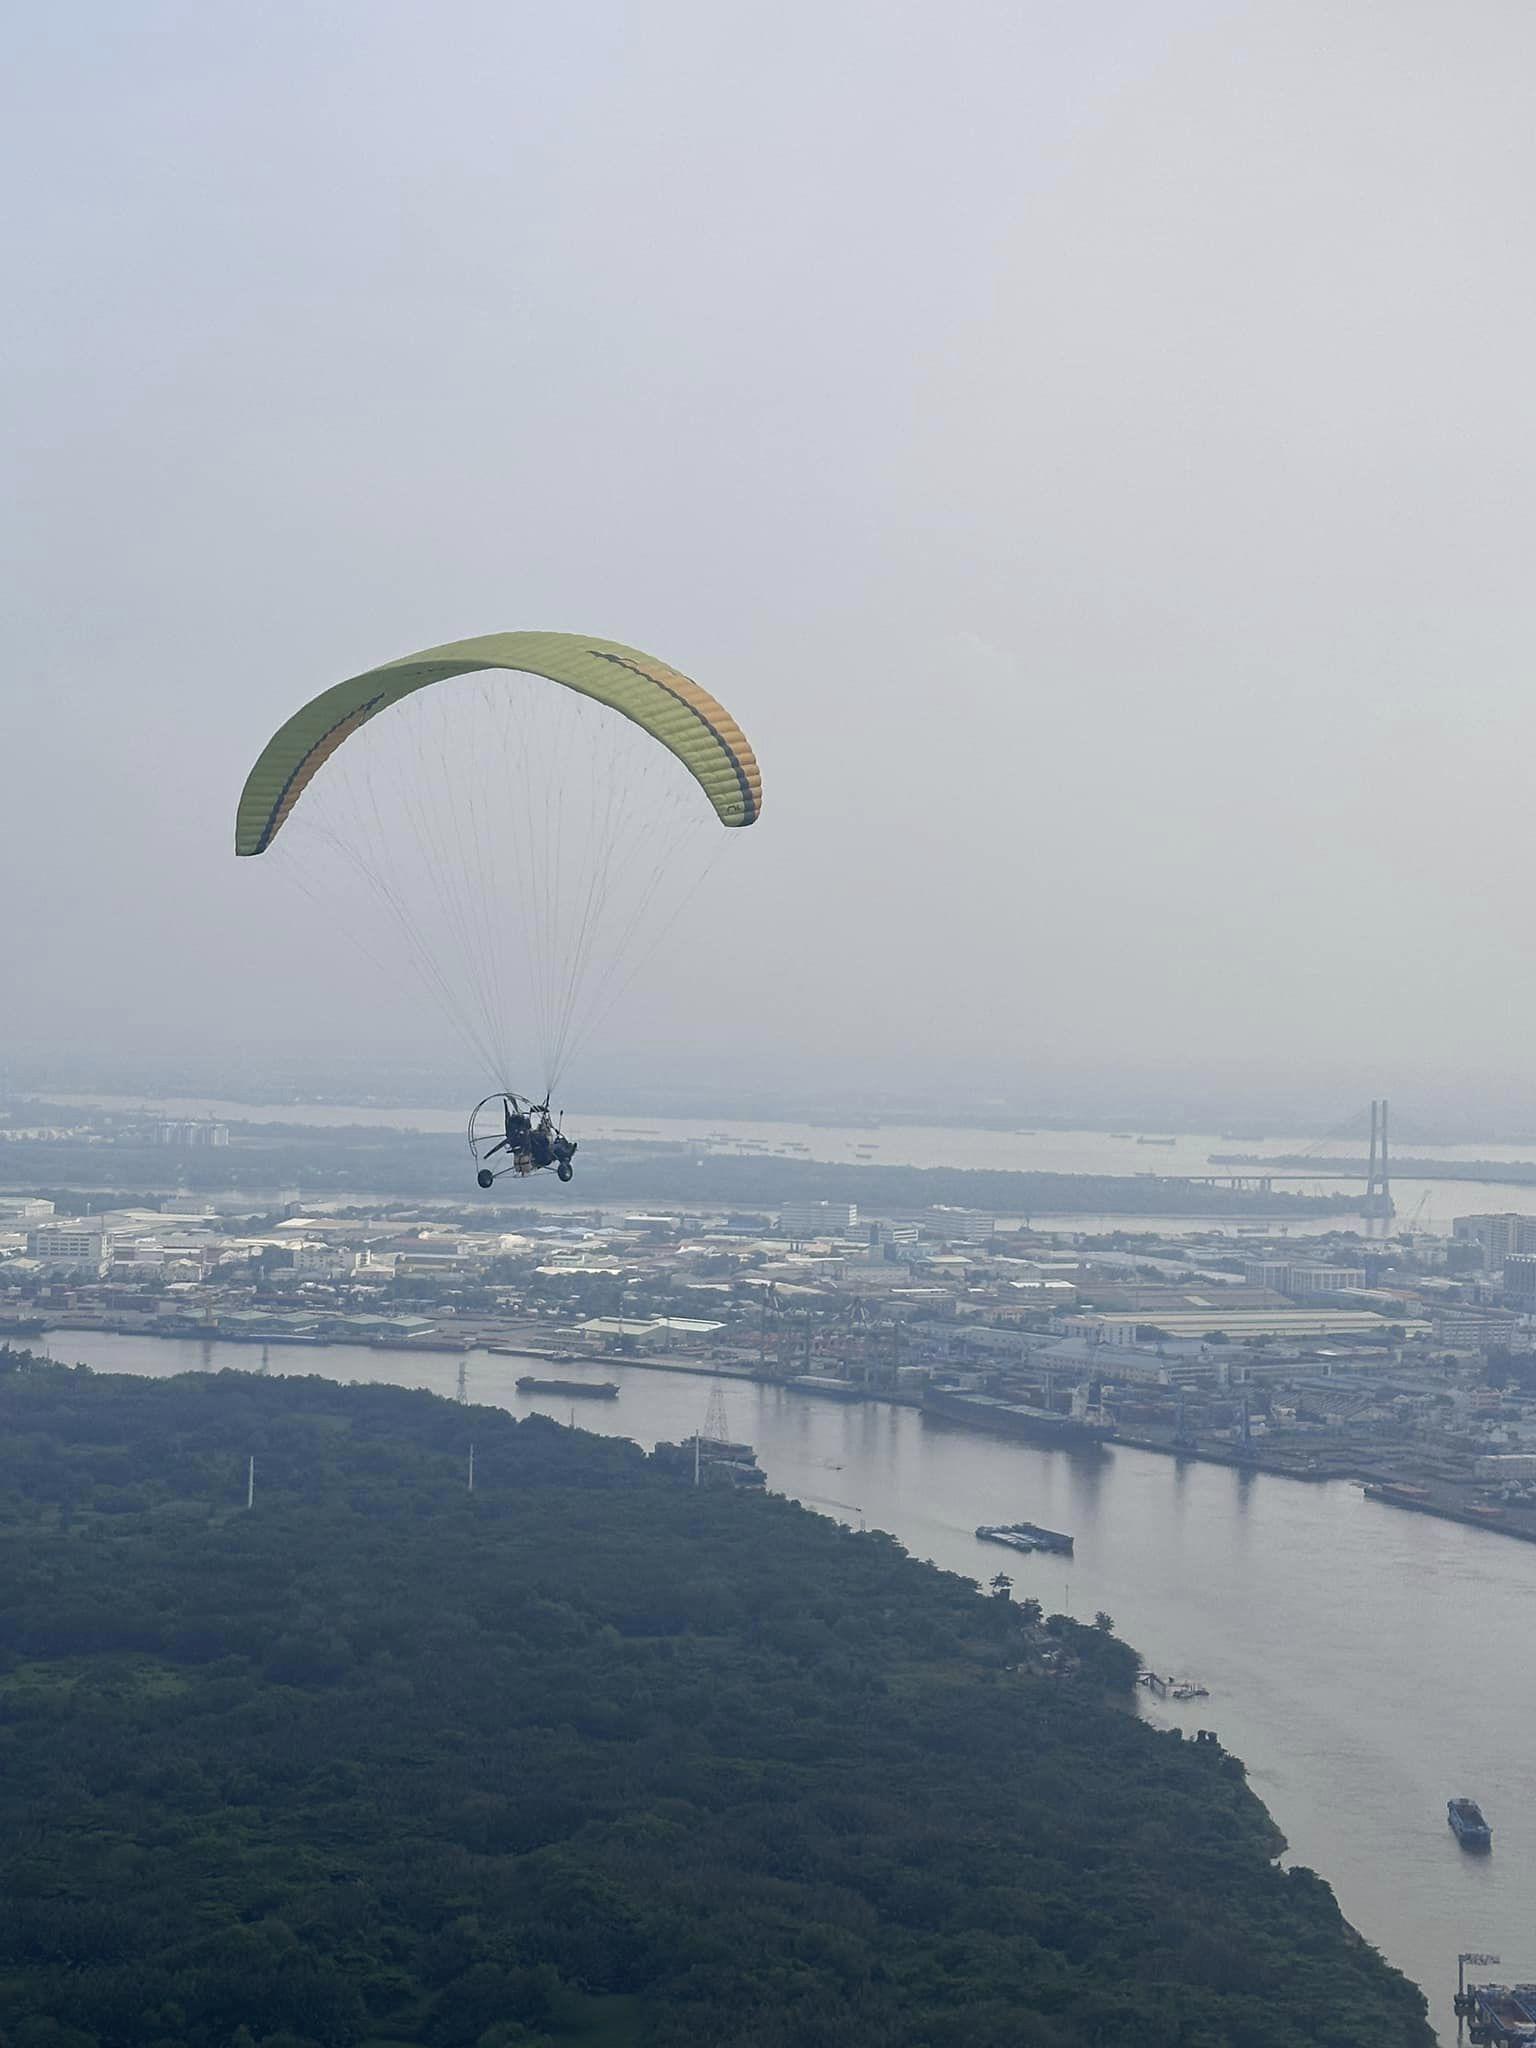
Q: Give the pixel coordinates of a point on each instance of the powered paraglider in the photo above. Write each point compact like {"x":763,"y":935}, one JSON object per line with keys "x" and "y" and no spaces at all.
{"x":524,"y":827}
{"x":530,"y":1137}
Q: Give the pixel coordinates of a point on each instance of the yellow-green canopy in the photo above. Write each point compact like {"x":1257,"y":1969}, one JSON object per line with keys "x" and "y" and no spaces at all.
{"x":685,"y":719}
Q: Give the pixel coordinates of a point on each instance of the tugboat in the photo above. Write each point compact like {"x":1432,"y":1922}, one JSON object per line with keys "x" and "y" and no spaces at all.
{"x":1466,"y":1819}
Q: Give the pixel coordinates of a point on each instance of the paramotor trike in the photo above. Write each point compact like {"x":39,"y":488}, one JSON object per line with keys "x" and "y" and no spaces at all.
{"x":522,"y":1133}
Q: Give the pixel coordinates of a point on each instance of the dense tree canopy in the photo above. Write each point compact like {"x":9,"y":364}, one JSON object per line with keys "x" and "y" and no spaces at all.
{"x":583,"y":1756}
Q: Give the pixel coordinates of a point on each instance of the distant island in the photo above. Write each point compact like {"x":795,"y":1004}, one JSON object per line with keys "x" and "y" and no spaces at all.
{"x":1515,"y":1173}
{"x":363,"y":1160}
{"x":584,"y":1755}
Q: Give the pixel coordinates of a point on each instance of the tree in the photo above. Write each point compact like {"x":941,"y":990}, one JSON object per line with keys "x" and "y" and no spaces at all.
{"x":1104,"y":1623}
{"x":1002,"y":1587}
{"x":459,"y":1813}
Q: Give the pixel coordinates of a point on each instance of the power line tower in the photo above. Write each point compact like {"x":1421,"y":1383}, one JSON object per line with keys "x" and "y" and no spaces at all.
{"x":716,"y":1432}
{"x":768,"y":1305}
{"x":716,"y":1429}
{"x":858,"y":1323}
{"x":461,"y":1394}
{"x":1183,"y":1436}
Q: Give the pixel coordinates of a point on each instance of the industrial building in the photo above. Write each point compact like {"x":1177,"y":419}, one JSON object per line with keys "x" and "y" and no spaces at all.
{"x":1499,"y":1235}
{"x":1302,"y":1279}
{"x":818,"y":1219}
{"x":1236,"y":1324}
{"x":70,"y":1246}
{"x":191,"y":1131}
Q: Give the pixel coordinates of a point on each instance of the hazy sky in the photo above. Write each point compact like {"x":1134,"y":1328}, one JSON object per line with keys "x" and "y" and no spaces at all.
{"x":1089,"y":446}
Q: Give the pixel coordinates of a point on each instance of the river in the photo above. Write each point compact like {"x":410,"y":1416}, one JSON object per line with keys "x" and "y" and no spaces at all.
{"x":1428,"y":1205}
{"x":1367,"y":1664}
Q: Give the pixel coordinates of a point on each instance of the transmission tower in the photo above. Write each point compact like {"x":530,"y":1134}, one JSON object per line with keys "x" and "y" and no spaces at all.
{"x":716,"y":1429}
{"x":462,"y":1393}
{"x":769,"y":1305}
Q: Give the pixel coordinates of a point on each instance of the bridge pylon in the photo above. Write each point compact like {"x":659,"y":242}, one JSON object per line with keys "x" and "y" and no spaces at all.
{"x":1379,"y":1206}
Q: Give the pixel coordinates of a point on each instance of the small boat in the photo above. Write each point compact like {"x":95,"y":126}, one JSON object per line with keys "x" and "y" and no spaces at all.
{"x":1468,"y":1825}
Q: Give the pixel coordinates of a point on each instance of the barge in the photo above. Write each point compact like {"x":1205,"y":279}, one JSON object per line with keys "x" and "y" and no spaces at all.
{"x":1025,"y":1536}
{"x":1468,"y":1825}
{"x":1016,"y":1418}
{"x":590,"y":1390}
{"x":701,"y":1461}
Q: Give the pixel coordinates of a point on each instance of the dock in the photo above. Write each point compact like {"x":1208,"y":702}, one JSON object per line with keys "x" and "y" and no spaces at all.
{"x":1173,"y":1688}
{"x":1498,"y":2013}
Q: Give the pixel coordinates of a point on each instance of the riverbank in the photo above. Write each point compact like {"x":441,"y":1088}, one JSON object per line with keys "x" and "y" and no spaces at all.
{"x":1415,"y":1500}
{"x":1515,"y":1173}
{"x":1333,"y":1637}
{"x":1384,"y":1485}
{"x":1420,"y":1495}
{"x":796,"y":1717}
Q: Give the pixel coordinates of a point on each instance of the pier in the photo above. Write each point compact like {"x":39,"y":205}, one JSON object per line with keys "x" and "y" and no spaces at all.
{"x":1498,"y":2013}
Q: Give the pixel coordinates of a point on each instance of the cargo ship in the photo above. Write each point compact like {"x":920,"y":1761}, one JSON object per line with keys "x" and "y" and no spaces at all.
{"x":590,"y":1390}
{"x":1397,"y":1493}
{"x":702,"y":1461}
{"x":1025,"y":1536}
{"x":1016,"y":1418}
{"x":1468,"y":1825}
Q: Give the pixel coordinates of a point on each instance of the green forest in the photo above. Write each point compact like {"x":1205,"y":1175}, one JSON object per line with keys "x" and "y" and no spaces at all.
{"x":581,"y":1756}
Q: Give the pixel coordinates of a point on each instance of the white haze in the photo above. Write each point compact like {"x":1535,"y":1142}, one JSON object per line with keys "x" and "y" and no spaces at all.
{"x":1090,"y":448}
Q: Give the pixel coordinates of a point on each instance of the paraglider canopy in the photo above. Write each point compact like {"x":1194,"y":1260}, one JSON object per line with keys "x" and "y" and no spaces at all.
{"x":522,"y":832}
{"x":684,"y":718}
